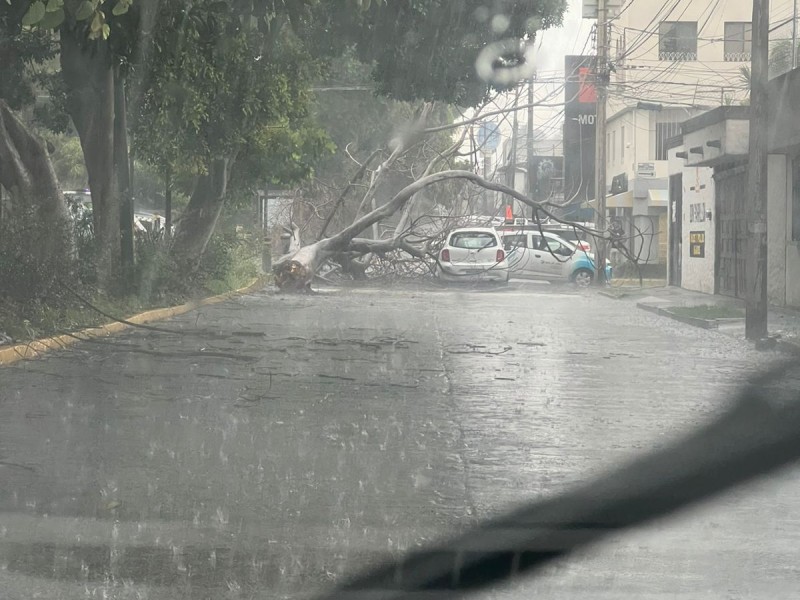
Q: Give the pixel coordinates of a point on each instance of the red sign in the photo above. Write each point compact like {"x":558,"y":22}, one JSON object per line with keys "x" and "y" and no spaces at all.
{"x":587,"y":93}
{"x":509,"y":213}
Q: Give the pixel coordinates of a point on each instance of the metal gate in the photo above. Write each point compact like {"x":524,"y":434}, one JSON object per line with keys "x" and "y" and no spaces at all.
{"x":731,"y":188}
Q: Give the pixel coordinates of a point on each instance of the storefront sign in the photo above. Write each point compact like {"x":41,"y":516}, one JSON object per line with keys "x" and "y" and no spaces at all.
{"x":646,"y":169}
{"x":697,"y":244}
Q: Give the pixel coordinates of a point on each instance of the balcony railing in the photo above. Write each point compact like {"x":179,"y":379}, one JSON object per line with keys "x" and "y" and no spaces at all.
{"x":677,"y":56}
{"x":737,"y":56}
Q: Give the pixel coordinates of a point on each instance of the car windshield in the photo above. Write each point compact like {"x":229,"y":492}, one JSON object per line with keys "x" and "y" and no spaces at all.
{"x":473,"y":240}
{"x":297,"y":293}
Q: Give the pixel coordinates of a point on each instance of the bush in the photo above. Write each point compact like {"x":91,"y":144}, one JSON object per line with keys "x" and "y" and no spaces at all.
{"x":228,"y":263}
{"x":36,"y":258}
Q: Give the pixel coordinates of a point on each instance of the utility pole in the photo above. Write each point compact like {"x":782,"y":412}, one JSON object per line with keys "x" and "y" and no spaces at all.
{"x":601,"y":81}
{"x":756,"y":269}
{"x":794,"y":34}
{"x":531,"y":175}
{"x":511,"y":173}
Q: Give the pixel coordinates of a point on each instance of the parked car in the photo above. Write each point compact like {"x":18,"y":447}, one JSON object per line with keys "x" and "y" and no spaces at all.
{"x":473,"y":254}
{"x":532,"y":254}
{"x":572,"y":234}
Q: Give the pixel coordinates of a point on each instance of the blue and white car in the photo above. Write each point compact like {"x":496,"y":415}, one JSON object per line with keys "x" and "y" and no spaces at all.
{"x":532,"y":254}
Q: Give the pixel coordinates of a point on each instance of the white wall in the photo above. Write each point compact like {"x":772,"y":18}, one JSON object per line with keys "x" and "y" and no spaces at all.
{"x":698,"y":196}
{"x":779,"y":228}
{"x":783,"y":254}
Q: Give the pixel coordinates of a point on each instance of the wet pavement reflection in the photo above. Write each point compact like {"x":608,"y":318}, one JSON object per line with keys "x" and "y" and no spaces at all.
{"x":273,"y":444}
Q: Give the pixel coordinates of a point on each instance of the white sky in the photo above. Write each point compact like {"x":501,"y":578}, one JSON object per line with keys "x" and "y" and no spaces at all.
{"x":551,"y":47}
{"x":554,"y":44}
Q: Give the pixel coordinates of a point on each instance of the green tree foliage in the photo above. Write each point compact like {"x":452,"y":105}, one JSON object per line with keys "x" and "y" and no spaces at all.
{"x":220,"y":88}
{"x":780,"y":57}
{"x":225,"y":90}
{"x":426,"y":49}
{"x":21,"y":48}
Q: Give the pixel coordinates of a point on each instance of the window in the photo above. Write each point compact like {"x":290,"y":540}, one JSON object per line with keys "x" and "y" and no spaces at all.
{"x":677,"y":40}
{"x":557,"y":247}
{"x":738,"y":41}
{"x":473,"y":240}
{"x":537,"y":243}
{"x":622,"y":143}
{"x":510,"y":242}
{"x":665,"y":131}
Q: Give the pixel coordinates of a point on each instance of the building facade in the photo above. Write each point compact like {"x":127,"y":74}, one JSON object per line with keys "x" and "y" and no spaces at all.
{"x":669,"y":65}
{"x":709,"y":227}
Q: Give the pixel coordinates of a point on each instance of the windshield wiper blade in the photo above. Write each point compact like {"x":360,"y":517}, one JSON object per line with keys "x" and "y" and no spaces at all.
{"x":760,"y":433}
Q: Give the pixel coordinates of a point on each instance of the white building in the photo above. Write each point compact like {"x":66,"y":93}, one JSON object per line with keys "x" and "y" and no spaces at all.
{"x":709,"y":227}
{"x":671,"y":61}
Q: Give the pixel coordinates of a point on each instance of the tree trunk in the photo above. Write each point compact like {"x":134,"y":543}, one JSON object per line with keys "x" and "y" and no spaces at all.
{"x":122,"y":165}
{"x":89,"y":78}
{"x":27,"y":172}
{"x":28,"y":175}
{"x":198,"y":221}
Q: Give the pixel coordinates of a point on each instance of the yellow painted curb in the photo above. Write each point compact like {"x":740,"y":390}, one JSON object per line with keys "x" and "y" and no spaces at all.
{"x":36,"y":348}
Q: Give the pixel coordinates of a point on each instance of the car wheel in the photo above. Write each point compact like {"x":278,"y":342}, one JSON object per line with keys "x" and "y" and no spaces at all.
{"x":583,"y":277}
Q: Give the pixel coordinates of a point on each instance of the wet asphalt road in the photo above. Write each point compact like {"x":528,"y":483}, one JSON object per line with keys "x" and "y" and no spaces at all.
{"x":275,"y":443}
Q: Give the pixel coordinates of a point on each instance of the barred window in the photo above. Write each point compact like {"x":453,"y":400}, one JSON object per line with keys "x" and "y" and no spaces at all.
{"x":738,"y":41}
{"x":677,"y":40}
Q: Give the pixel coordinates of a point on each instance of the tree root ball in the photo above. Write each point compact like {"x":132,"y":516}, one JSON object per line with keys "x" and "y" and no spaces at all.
{"x":293,"y":276}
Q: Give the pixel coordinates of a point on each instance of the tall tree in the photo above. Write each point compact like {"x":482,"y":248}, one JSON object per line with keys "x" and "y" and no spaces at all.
{"x":36,"y":204}
{"x":97,"y":38}
{"x":224,"y":92}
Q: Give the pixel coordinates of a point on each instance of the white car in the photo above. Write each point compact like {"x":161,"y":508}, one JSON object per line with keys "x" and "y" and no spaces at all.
{"x":473,"y":254}
{"x":542,"y":255}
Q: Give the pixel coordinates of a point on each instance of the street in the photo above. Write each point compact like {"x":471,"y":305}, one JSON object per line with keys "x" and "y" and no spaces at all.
{"x":273,"y":444}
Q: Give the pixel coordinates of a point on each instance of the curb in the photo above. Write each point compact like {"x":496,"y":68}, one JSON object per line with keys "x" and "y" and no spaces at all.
{"x":611,"y":295}
{"x":696,"y":321}
{"x":36,"y":348}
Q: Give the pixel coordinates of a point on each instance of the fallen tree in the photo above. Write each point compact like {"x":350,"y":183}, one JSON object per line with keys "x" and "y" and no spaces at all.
{"x":295,"y":271}
{"x":355,"y":253}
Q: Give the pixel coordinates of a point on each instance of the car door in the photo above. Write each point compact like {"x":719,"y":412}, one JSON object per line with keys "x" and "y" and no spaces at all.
{"x":550,"y":257}
{"x":518,"y":253}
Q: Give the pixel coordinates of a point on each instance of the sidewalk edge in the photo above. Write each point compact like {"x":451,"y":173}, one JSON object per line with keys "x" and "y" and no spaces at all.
{"x":36,"y":348}
{"x":665,"y":312}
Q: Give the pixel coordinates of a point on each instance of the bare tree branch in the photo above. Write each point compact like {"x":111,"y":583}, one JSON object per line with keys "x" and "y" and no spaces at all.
{"x":359,"y":174}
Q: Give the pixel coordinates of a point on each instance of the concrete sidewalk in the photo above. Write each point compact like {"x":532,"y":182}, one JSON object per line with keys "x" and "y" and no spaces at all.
{"x":783,"y":322}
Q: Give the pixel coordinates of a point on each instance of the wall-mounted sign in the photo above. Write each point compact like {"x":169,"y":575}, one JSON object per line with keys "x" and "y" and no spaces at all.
{"x":488,"y":136}
{"x":697,"y":212}
{"x":697,"y":244}
{"x":646,"y":169}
